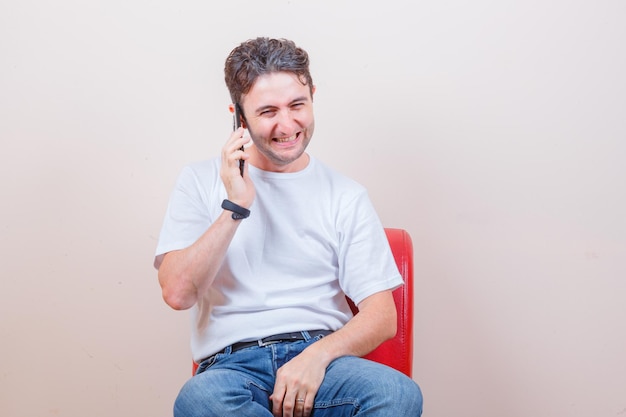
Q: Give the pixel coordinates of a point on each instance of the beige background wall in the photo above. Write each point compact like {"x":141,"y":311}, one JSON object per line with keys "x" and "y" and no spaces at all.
{"x":494,"y":131}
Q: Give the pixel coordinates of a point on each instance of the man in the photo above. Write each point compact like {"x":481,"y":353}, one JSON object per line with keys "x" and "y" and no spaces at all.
{"x":264,"y":256}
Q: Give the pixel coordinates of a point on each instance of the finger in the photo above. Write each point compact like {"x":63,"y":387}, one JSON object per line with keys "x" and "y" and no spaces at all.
{"x":300,"y":406}
{"x":238,"y":138}
{"x":291,"y":406}
{"x":232,"y":153}
{"x":240,"y":144}
{"x":295,"y":405}
{"x":235,"y":141}
{"x":277,"y":398}
{"x":235,"y":156}
{"x":307,"y":407}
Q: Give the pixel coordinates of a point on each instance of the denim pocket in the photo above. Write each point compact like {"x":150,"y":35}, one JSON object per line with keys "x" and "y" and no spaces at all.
{"x":206,"y":364}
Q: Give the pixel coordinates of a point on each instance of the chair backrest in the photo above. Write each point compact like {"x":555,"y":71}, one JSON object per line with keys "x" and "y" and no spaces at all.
{"x":398,"y":351}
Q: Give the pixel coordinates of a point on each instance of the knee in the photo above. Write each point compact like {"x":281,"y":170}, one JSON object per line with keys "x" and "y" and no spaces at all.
{"x":217,"y":394}
{"x":382,"y":388}
{"x":189,"y":401}
{"x":400,"y":394}
{"x":411,"y":395}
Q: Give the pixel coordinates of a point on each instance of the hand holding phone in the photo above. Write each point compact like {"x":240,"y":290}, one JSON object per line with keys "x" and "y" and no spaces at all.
{"x":237,"y":125}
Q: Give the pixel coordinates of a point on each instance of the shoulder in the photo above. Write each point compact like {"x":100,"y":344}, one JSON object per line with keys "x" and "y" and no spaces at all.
{"x":200,"y":172}
{"x":337,"y":179}
{"x":199,"y":168}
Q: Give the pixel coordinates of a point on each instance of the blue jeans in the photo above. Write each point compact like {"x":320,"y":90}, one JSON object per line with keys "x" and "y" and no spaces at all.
{"x":239,"y":384}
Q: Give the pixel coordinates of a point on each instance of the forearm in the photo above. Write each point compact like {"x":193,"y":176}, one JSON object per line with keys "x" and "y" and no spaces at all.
{"x":186,"y":274}
{"x":300,"y":378}
{"x":375,"y":323}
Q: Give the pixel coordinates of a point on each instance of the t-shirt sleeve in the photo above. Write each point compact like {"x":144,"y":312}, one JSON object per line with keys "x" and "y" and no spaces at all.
{"x":186,"y":217}
{"x":366,"y":264}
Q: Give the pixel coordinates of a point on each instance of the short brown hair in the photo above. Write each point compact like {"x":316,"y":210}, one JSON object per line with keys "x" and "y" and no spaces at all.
{"x":260,"y":56}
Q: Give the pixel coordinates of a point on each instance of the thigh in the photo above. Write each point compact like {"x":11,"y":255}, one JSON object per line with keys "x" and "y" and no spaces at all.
{"x":359,"y":387}
{"x":234,"y":384}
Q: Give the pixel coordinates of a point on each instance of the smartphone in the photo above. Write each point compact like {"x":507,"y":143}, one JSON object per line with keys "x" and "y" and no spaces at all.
{"x":237,"y":125}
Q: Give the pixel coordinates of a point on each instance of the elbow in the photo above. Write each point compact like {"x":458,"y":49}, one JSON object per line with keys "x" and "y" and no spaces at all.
{"x":174,"y":296}
{"x":175,"y":300}
{"x":390,"y":327}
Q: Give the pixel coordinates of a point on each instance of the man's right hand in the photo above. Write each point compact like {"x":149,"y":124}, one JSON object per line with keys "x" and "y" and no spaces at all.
{"x":186,"y":274}
{"x":240,"y":190}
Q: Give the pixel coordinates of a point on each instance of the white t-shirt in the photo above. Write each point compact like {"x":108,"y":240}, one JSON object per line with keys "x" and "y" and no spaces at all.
{"x":312,"y":237}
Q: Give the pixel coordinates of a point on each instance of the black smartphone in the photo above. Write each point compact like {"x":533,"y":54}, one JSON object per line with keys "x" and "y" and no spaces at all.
{"x":237,"y":125}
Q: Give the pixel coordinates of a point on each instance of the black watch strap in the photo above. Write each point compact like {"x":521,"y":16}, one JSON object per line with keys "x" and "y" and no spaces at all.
{"x":238,"y":211}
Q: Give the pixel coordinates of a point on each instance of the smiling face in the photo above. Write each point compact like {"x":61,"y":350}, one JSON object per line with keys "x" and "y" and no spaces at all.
{"x":278,"y":113}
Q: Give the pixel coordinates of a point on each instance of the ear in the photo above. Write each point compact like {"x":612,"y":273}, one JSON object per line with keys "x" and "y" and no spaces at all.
{"x":231,"y":109}
{"x":312,"y":92}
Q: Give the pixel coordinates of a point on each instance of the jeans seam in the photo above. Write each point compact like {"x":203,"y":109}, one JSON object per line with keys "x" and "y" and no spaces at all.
{"x":337,"y":402}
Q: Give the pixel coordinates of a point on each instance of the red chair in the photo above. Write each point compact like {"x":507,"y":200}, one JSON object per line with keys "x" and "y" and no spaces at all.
{"x":397,"y":352}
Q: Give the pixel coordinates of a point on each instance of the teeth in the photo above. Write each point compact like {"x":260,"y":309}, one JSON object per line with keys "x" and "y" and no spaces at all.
{"x":283,"y":140}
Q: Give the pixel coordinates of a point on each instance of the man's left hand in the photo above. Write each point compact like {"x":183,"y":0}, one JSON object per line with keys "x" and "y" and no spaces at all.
{"x":296,"y":385}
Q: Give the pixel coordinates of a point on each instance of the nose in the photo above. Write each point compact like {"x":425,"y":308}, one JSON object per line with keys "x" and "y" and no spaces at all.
{"x":286,"y":122}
